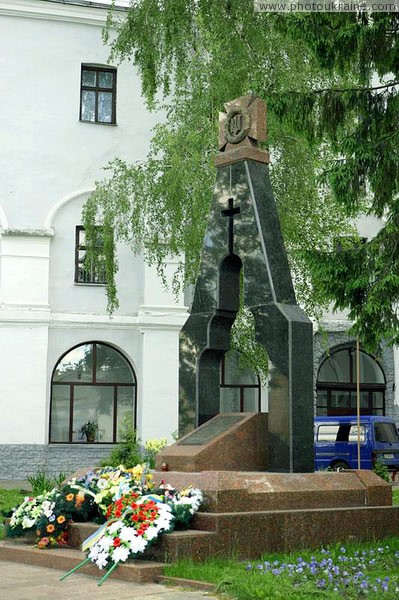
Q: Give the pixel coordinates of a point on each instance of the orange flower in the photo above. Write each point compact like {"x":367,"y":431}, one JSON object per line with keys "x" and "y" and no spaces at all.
{"x":69,"y":497}
{"x":61,"y":519}
{"x":79,"y":500}
{"x":50,"y":528}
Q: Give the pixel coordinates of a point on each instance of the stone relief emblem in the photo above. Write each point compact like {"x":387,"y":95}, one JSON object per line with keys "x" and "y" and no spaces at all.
{"x":237,"y":124}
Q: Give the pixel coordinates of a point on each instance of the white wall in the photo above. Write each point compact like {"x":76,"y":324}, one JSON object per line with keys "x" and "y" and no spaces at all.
{"x":49,"y":164}
{"x":46,"y":153}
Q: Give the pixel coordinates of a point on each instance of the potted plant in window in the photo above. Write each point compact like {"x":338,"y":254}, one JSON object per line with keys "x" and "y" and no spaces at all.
{"x":89,"y":429}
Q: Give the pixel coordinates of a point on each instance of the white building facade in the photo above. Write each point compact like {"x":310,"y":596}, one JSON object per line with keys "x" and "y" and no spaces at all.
{"x":65,"y":364}
{"x":65,"y":112}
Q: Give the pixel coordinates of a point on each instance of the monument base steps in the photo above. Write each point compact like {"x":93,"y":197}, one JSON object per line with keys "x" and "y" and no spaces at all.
{"x":64,"y":559}
{"x":246,"y":514}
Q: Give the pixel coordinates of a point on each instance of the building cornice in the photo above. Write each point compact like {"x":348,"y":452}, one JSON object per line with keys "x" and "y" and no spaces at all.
{"x":87,"y":13}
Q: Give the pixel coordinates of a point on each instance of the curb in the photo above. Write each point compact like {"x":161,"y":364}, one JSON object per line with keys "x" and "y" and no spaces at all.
{"x":202,"y":586}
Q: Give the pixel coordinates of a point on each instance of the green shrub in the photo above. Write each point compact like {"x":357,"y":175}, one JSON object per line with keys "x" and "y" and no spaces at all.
{"x":382,"y":470}
{"x":127,"y":452}
{"x":41,"y":482}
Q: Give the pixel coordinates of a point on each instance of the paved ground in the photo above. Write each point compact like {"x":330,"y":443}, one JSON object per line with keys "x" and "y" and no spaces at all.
{"x":26,"y":582}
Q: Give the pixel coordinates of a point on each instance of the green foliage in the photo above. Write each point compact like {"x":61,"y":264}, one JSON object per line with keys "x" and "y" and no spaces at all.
{"x":41,"y":482}
{"x":359,"y":125}
{"x":127,"y":452}
{"x":212,"y":52}
{"x":151,"y":449}
{"x":9,"y":499}
{"x":333,"y":138}
{"x":382,"y":471}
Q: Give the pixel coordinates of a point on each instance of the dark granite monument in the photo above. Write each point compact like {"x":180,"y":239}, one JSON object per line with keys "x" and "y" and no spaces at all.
{"x":243,"y":234}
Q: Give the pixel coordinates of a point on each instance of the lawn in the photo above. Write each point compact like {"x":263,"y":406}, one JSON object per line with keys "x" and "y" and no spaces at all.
{"x":8,"y":500}
{"x":350,"y":571}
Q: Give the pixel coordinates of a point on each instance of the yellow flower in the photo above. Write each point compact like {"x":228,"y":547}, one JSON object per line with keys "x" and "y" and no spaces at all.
{"x":61,"y":519}
{"x":50,"y":528}
{"x":137,"y":471}
{"x":69,"y":497}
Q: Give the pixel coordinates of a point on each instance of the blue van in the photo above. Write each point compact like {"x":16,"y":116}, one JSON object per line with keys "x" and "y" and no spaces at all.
{"x":336,"y":440}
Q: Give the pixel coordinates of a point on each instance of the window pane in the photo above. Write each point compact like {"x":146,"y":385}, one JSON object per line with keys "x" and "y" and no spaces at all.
{"x":385,"y":432}
{"x":353,"y":433}
{"x":336,"y":368}
{"x":111,"y":366}
{"x":94,"y":404}
{"x":89,"y":78}
{"x":327,"y":433}
{"x":251,"y":400}
{"x":234,"y":373}
{"x":60,"y":404}
{"x":370,"y":371}
{"x":88,"y":106}
{"x":77,"y":365}
{"x":125,"y":408}
{"x":321,"y":398}
{"x":104,"y":107}
{"x":106,"y":80}
{"x":229,"y":400}
{"x":378,"y":399}
{"x":340,"y":399}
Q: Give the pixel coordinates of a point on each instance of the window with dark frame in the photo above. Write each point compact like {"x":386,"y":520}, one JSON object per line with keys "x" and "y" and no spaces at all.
{"x":98,"y":95}
{"x":93,"y":392}
{"x":240,"y":389}
{"x":92,"y":272}
{"x":337,"y":387}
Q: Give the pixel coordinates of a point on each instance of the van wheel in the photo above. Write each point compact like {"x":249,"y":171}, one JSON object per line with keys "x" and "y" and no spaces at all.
{"x":340,"y":465}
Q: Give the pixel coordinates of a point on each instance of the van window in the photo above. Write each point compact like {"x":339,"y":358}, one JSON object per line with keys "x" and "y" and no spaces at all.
{"x":340,"y":433}
{"x":385,"y":432}
{"x":353,"y":434}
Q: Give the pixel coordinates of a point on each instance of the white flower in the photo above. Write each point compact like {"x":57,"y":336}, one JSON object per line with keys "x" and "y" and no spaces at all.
{"x":102,"y":484}
{"x":94,"y":552}
{"x":120,"y":554}
{"x":114,"y":527}
{"x":151,"y":533}
{"x":102,"y":559}
{"x":137,"y":544}
{"x":47,"y":508}
{"x":28,"y":523}
{"x":105,"y":542}
{"x":127,"y":534}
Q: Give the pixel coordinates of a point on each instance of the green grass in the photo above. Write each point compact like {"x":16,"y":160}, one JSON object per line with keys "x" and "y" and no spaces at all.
{"x":233,"y":578}
{"x":8,"y":500}
{"x":395,"y":496}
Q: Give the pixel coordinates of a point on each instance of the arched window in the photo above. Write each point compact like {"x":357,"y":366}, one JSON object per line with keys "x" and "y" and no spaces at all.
{"x":239,"y":387}
{"x":93,"y":390}
{"x":336,"y":384}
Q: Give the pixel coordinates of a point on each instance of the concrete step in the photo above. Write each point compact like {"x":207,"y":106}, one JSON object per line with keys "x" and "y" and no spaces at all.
{"x":22,"y":551}
{"x":168,"y":548}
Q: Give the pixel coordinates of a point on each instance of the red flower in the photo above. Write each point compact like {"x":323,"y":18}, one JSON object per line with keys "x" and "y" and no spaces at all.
{"x":117,"y":542}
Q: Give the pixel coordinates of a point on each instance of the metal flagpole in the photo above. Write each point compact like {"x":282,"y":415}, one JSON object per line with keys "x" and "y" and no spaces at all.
{"x":358,"y":399}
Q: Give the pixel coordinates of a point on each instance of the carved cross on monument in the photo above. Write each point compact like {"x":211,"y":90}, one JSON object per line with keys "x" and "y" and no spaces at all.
{"x":229,"y":213}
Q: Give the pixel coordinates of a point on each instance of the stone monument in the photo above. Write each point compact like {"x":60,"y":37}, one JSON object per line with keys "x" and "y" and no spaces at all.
{"x":243,"y":234}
